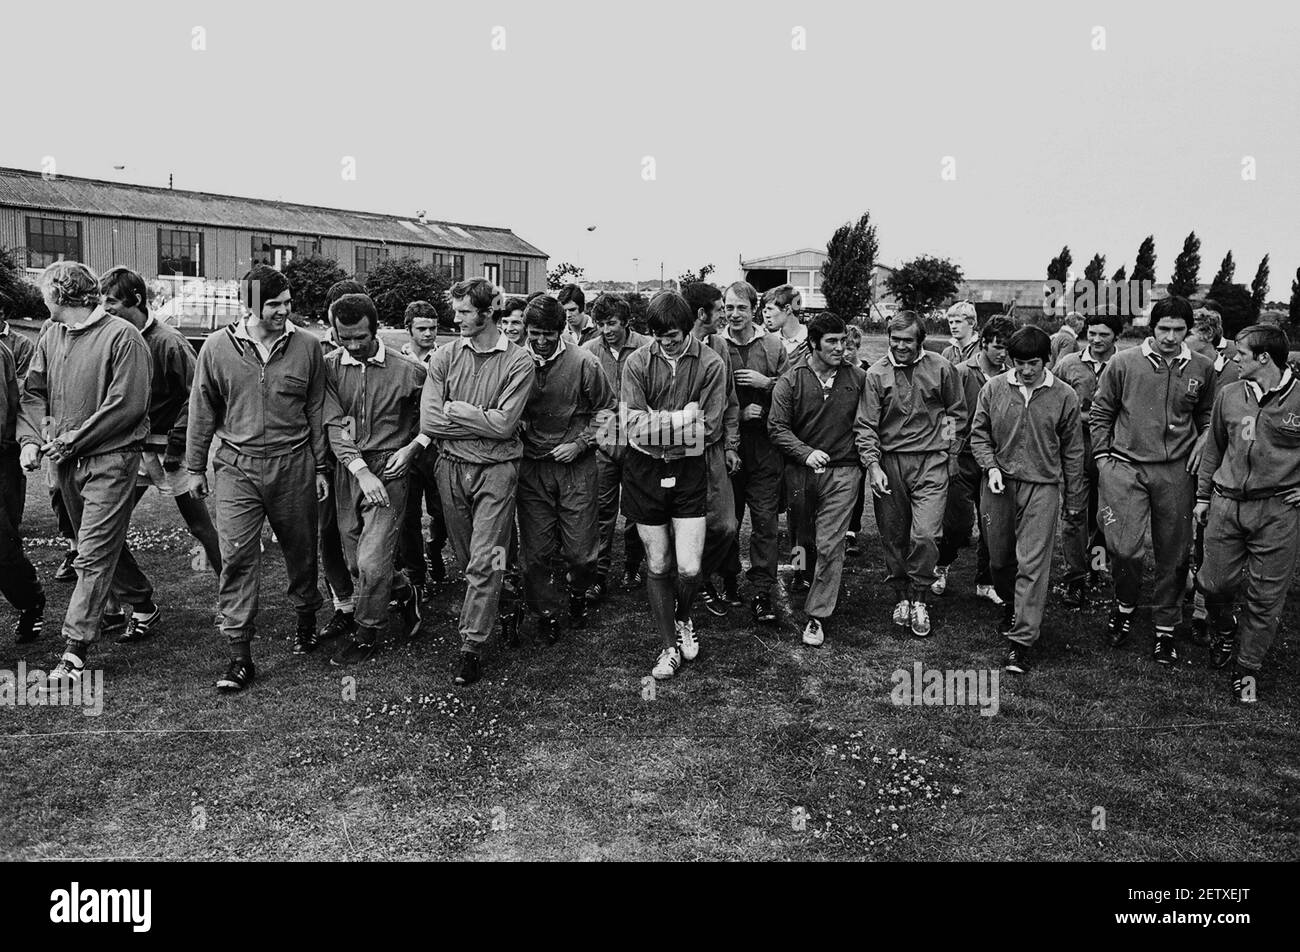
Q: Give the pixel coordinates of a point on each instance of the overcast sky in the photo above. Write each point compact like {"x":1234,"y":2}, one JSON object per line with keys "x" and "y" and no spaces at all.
{"x":758,"y":148}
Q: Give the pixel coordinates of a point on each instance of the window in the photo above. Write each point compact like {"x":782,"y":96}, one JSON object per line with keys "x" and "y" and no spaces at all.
{"x":308,"y":247}
{"x":492,"y":272}
{"x":368,"y":258}
{"x":180,"y":252}
{"x":516,"y":276}
{"x":451,"y":267}
{"x":52,"y":239}
{"x":266,"y":251}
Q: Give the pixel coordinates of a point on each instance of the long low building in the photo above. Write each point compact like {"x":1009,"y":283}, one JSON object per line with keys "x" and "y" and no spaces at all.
{"x":177,"y":235}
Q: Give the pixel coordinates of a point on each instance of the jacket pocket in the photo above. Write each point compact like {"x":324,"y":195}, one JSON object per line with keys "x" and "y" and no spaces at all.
{"x":292,"y":385}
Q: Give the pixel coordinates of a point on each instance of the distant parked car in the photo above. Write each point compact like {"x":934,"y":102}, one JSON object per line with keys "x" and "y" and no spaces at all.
{"x":198,"y":317}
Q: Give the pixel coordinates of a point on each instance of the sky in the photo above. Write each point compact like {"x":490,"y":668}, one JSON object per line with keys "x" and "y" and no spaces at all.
{"x":540,"y":117}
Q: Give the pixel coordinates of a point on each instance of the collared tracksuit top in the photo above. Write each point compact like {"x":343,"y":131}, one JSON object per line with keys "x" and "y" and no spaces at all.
{"x":22,"y":349}
{"x":609,"y":440}
{"x":650,"y":382}
{"x":959,"y":355}
{"x":169,"y":394}
{"x":379,"y":399}
{"x":263,"y":410}
{"x":1145,"y":411}
{"x":1082,"y":375}
{"x":974,"y":373}
{"x":496,"y":383}
{"x":9,"y":399}
{"x":569,"y":402}
{"x":764,"y":353}
{"x":806,"y":416}
{"x":93,"y":382}
{"x":905,"y":416}
{"x":1253,"y":447}
{"x":1038,"y":440}
{"x":731,"y":412}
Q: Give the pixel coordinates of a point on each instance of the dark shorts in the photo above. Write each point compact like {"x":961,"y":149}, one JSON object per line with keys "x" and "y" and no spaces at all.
{"x":647,"y":502}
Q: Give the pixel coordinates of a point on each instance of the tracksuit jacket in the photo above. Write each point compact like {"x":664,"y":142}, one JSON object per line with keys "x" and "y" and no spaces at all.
{"x":800,"y":405}
{"x":1270,"y":464}
{"x":1147,"y":411}
{"x":169,"y":394}
{"x":569,"y":402}
{"x":381,"y":397}
{"x":651,"y":382}
{"x":905,"y":416}
{"x":496,"y":383}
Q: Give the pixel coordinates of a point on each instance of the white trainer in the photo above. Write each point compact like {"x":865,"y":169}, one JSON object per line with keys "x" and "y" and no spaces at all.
{"x":903,"y":613}
{"x":687,"y":643}
{"x":670,"y":660}
{"x":989,"y":593}
{"x":940,"y":583}
{"x":813,"y":634}
{"x":920,"y":620}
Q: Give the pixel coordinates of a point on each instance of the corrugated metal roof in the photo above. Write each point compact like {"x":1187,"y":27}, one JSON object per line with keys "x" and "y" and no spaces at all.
{"x":804,"y":257}
{"x":116,"y":200}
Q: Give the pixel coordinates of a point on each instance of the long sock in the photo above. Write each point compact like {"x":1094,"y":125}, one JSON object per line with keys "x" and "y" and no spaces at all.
{"x":687,"y":588}
{"x":243,"y":650}
{"x":662,"y":594}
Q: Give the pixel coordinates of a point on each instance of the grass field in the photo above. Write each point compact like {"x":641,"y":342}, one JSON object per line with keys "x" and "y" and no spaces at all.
{"x":761,"y":749}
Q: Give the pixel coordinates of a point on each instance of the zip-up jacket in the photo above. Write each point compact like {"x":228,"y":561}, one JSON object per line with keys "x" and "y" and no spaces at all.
{"x":923,"y":415}
{"x":611,"y":442}
{"x":1035,"y":438}
{"x":22,"y":349}
{"x":570,"y":401}
{"x":92,"y":383}
{"x":974,"y":373}
{"x":959,"y":355}
{"x":1252,"y":450}
{"x":258,"y":409}
{"x":169,"y":394}
{"x":731,"y":412}
{"x":807,"y":416}
{"x":1148,"y":411}
{"x":653,"y":388}
{"x":765,"y":354}
{"x":9,"y":399}
{"x":371,"y":407}
{"x":494,"y":383}
{"x":1082,"y":373}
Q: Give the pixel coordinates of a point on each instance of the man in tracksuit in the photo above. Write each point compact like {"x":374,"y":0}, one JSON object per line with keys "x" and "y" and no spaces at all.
{"x":781,"y":317}
{"x":817,"y":421}
{"x":569,"y":402}
{"x":1248,"y":499}
{"x":914,"y":412}
{"x":372,"y":420}
{"x":966,"y":338}
{"x":85,"y":407}
{"x":472,"y":406}
{"x":22,"y":350}
{"x":260,"y":390}
{"x":579,"y":326}
{"x":123,"y":294}
{"x":18,"y":581}
{"x":1081,"y":537}
{"x":1151,"y":403}
{"x":422,"y":326}
{"x":961,"y":511}
{"x":674,"y":399}
{"x":758,"y":360}
{"x":1027,"y":438}
{"x":722,"y":456}
{"x":1066,"y":339}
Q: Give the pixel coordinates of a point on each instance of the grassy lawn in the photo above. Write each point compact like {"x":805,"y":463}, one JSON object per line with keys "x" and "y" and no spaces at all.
{"x":761,"y":749}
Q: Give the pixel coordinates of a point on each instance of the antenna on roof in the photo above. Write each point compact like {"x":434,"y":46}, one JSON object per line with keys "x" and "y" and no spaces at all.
{"x":169,"y":180}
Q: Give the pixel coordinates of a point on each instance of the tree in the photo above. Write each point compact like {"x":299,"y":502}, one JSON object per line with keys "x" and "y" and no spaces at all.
{"x":1294,"y":309}
{"x":1259,"y":287}
{"x":19,"y":298}
{"x":1094,"y":275}
{"x":846,"y":274}
{"x":1144,"y":273}
{"x":1227,"y":270}
{"x":396,"y":282}
{"x":693,"y":277}
{"x":310,"y":278}
{"x":1187,"y":268}
{"x":1058,"y":272}
{"x":1235,"y":308}
{"x":1115,"y":304}
{"x":639,"y":308}
{"x":924,"y":283}
{"x":562,"y":274}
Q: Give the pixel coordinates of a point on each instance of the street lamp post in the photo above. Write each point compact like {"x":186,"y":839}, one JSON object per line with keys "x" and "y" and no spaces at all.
{"x":636,"y":280}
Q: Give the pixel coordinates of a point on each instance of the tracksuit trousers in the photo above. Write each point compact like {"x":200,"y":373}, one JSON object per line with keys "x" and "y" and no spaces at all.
{"x":251,"y":491}
{"x":720,"y":521}
{"x":479,"y":505}
{"x":910,"y":519}
{"x":332,"y":562}
{"x":1131,"y":496}
{"x":824,"y":503}
{"x":370,"y":536}
{"x":422,"y":494}
{"x":1251,"y":548}
{"x":557,"y":528}
{"x":18,"y":581}
{"x":610,"y":478}
{"x":1080,"y":534}
{"x":756,"y":486}
{"x":1021,"y":526}
{"x":960,"y":514}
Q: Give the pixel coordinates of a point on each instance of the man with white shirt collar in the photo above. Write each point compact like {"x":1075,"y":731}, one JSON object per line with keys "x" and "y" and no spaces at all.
{"x":781,"y":317}
{"x":472,"y":406}
{"x":1248,"y":498}
{"x":1151,"y":404}
{"x":1026,"y":437}
{"x":85,"y":407}
{"x":259,"y":389}
{"x":965,"y":344}
{"x":578,"y":323}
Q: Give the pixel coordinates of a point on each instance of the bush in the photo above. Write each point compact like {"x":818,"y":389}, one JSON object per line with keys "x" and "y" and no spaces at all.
{"x":310,"y":278}
{"x":397,"y":282}
{"x":20,"y":299}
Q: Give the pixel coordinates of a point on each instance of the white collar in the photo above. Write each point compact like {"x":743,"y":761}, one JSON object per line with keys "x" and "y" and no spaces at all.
{"x":502,"y":343}
{"x":542,"y":362}
{"x":148,"y":322}
{"x":241,"y":330}
{"x":1148,"y":351}
{"x":1048,"y":379}
{"x":759,"y":331}
{"x":376,"y":358}
{"x":1220,"y":362}
{"x":4,"y":328}
{"x":801,"y":335}
{"x":890,"y":354}
{"x":1086,"y":356}
{"x":1259,"y":391}
{"x":97,"y":315}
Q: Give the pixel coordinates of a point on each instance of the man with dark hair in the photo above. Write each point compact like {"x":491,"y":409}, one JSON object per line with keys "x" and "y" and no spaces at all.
{"x":16,"y":343}
{"x":1027,"y":438}
{"x":1066,"y":339}
{"x":1151,"y":404}
{"x":260,"y":389}
{"x":612,"y":316}
{"x":966,"y":339}
{"x":123,"y":294}
{"x":722,"y":456}
{"x":18,"y":581}
{"x":914,"y":412}
{"x":22,"y":350}
{"x":422,"y":486}
{"x":1248,"y":499}
{"x":569,"y":403}
{"x":1081,"y":537}
{"x":674,"y":398}
{"x":817,"y":421}
{"x":758,"y":360}
{"x":85,"y":407}
{"x":962,"y":509}
{"x":472,"y":406}
{"x":510,"y":317}
{"x":372,"y":419}
{"x":580,"y":326}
